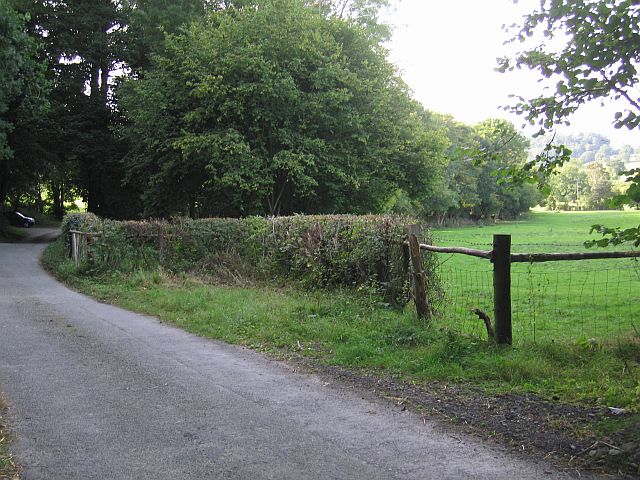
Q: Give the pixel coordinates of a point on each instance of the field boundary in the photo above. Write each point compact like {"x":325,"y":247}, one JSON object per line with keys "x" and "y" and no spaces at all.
{"x":502,"y":258}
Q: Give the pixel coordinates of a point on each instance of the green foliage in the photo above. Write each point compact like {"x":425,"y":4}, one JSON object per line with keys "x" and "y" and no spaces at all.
{"x":476,"y":156}
{"x":275,"y":110}
{"x":316,"y":252}
{"x":614,"y":236}
{"x":364,"y":12}
{"x":81,"y":222}
{"x":148,"y":23}
{"x":22,"y":98}
{"x":592,"y":54}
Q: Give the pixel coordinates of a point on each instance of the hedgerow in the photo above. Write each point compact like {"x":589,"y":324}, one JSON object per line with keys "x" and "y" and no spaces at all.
{"x":317,"y":251}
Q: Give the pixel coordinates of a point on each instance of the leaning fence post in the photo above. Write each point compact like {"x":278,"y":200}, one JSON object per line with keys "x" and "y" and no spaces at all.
{"x":419,"y":281}
{"x":501,"y":259}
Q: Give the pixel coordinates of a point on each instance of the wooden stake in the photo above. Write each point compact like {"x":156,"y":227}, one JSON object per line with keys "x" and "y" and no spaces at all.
{"x":419,"y":280}
{"x":74,"y":249}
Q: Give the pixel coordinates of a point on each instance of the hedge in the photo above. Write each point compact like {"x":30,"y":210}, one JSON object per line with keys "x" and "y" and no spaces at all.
{"x":319,"y":251}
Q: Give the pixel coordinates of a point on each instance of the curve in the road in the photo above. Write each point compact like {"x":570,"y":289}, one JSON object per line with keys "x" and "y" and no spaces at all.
{"x":101,"y":393}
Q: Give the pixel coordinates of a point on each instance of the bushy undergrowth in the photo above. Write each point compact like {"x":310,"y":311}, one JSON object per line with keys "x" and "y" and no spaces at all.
{"x":334,"y":251}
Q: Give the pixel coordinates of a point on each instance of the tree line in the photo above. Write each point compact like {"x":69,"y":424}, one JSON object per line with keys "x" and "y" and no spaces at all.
{"x":148,"y":108}
{"x":592,"y":178}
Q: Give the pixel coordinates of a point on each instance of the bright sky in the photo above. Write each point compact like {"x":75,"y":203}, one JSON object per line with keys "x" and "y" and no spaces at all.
{"x":447,"y":52}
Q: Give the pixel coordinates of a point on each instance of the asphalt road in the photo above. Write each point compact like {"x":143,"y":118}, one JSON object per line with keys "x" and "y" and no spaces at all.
{"x":97,"y":392}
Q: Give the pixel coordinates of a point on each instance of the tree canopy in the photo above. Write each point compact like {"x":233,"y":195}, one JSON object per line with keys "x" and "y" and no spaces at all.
{"x":591,"y":49}
{"x":231,"y":107}
{"x":23,"y":90}
{"x":275,"y":109}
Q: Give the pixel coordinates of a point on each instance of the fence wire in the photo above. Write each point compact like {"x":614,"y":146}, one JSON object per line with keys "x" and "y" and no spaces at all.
{"x":560,"y":301}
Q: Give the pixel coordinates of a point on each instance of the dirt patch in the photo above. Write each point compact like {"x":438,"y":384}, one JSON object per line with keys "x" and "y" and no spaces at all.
{"x":8,"y":469}
{"x":42,"y":235}
{"x":560,"y":433}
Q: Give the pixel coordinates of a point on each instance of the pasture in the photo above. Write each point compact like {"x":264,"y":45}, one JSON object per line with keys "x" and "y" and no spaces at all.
{"x":587,"y":301}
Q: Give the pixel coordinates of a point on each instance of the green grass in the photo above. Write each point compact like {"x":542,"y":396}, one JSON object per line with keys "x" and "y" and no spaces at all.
{"x":592,"y":302}
{"x":340,"y":328}
{"x":9,"y":232}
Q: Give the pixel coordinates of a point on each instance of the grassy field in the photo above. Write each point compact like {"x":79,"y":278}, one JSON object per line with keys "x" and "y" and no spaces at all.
{"x":360,"y":332}
{"x":591,"y":301}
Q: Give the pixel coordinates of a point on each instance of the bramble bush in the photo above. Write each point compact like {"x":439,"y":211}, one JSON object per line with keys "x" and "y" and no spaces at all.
{"x":316,"y":251}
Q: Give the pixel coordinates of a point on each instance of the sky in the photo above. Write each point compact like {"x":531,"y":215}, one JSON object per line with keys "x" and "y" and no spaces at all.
{"x":446,"y":52}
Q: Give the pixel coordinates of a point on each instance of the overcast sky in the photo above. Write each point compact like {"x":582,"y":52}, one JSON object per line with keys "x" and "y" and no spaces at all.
{"x":447,"y":52}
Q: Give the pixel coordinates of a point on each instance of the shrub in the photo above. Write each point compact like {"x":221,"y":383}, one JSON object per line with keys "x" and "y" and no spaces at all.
{"x":321,"y":251}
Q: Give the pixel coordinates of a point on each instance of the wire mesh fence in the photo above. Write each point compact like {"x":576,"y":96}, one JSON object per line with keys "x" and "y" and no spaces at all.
{"x":585,"y":301}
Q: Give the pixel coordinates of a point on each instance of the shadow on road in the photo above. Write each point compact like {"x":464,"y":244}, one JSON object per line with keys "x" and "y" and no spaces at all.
{"x":36,"y":235}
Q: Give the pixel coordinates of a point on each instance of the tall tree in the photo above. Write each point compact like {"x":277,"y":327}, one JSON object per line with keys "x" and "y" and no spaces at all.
{"x":600,"y":186}
{"x":22,"y":96}
{"x":148,"y":23}
{"x":275,"y":109}
{"x":84,"y":45}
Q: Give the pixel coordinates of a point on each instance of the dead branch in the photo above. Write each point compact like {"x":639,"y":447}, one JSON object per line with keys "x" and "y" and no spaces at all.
{"x":487,"y":322}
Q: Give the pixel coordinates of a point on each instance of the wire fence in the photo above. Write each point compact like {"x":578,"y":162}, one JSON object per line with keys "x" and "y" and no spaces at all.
{"x":585,"y":301}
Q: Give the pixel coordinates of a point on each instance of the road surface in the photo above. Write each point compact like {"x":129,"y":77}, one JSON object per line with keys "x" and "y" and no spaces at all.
{"x":97,"y":392}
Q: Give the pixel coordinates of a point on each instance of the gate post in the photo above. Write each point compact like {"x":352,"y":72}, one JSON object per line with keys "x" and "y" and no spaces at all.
{"x":501,"y":259}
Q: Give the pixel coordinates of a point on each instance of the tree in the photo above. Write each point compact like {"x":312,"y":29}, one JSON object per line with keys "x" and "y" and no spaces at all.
{"x":276,"y":109}
{"x":570,"y":187}
{"x":364,"y":12}
{"x":474,"y":155}
{"x":500,"y":146}
{"x":597,"y":57}
{"x":600,"y":186}
{"x":22,"y":97}
{"x":83,"y":45}
{"x":148,"y":23}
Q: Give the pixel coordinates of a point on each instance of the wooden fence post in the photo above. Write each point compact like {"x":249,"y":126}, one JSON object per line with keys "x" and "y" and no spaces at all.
{"x":74,"y":248}
{"x":501,"y":259}
{"x":419,"y":281}
{"x":160,"y":244}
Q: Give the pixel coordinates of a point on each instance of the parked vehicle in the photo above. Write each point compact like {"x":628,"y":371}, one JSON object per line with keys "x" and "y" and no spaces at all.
{"x":19,"y":220}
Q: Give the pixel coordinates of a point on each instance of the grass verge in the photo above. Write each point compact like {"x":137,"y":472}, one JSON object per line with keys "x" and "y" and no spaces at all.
{"x":360,"y":334}
{"x":8,"y":468}
{"x":9,"y":233}
{"x":343,"y":329}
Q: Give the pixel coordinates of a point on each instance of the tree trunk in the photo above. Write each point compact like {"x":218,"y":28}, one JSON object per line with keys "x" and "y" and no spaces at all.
{"x":95,"y":82}
{"x":58,"y":200}
{"x":104,"y":83}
